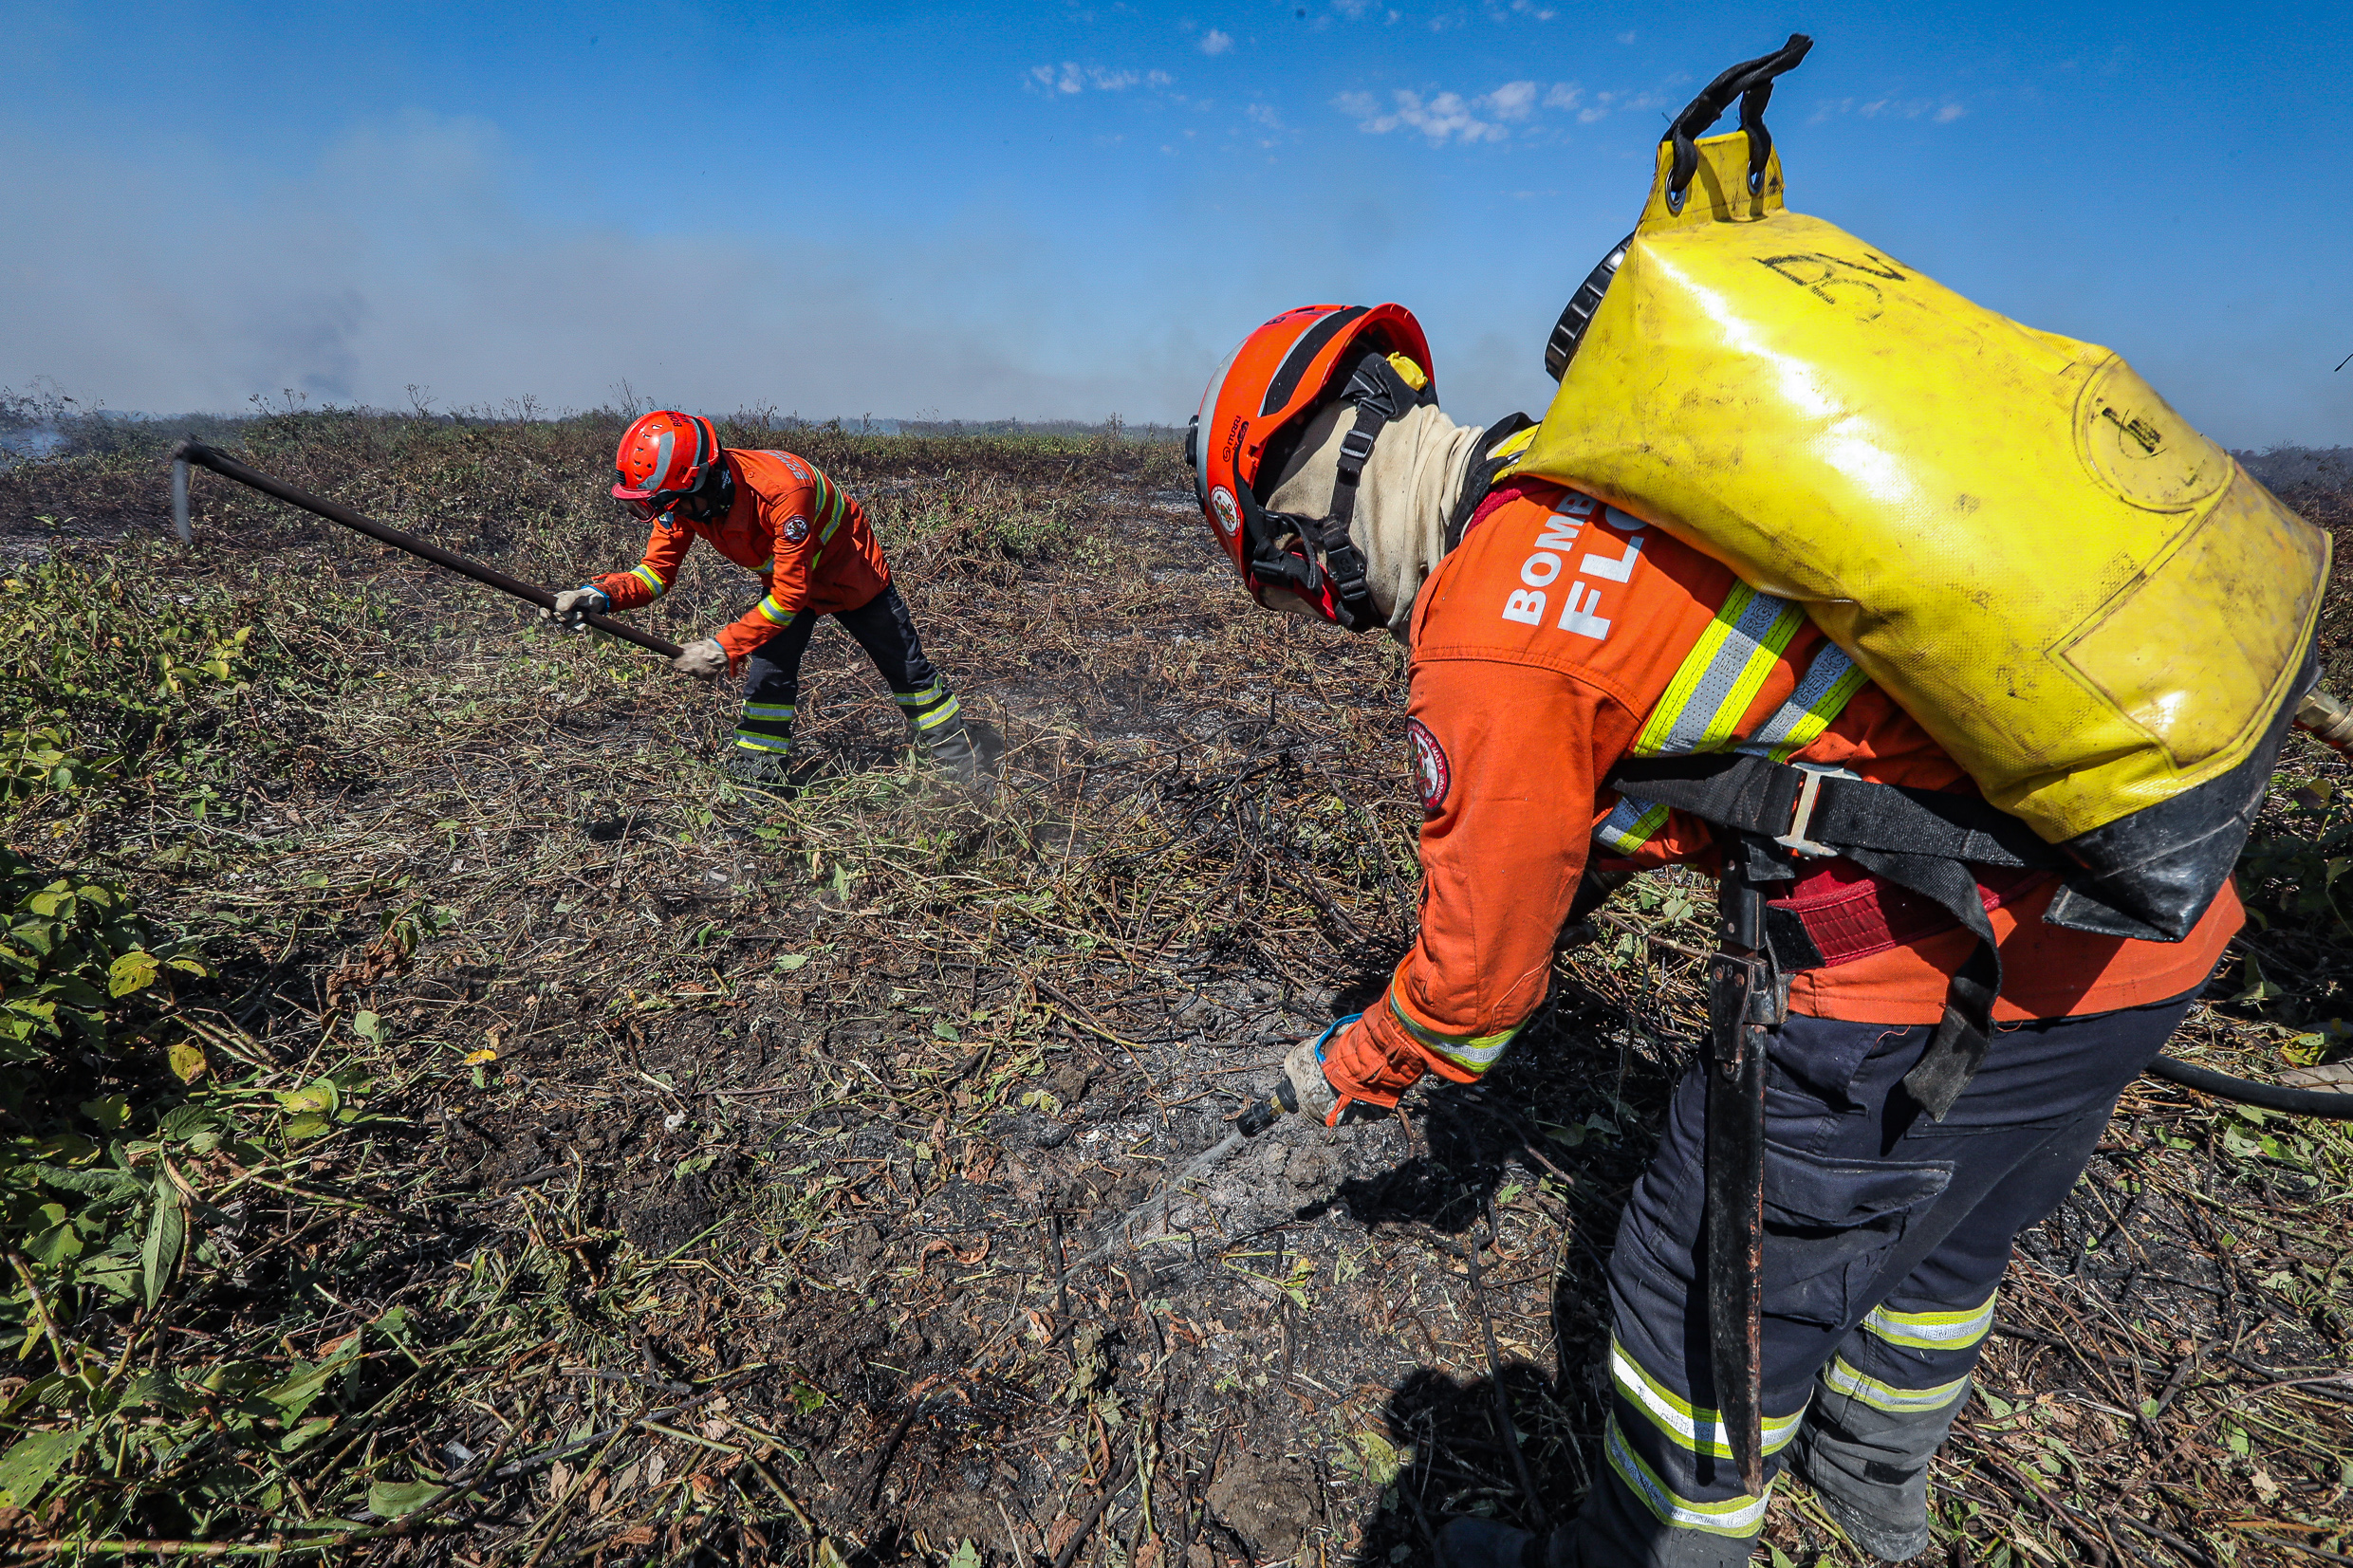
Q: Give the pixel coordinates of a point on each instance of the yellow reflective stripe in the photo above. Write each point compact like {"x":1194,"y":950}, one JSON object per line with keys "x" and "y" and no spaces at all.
{"x":1830,"y":683}
{"x":1840,"y":1375}
{"x":776,"y":613}
{"x":1694,"y":1427}
{"x":761,"y":743}
{"x":1473,"y":1053}
{"x":1735,"y":1516}
{"x":769,"y":709}
{"x":1630,"y":824}
{"x":1932,"y":1330}
{"x":941,"y":714}
{"x":829,"y":502}
{"x":647,"y":576}
{"x":1721,"y":675}
{"x":916,"y":699}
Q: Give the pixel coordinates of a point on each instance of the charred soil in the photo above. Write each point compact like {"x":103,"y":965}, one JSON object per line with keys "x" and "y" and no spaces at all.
{"x":723,"y":1164}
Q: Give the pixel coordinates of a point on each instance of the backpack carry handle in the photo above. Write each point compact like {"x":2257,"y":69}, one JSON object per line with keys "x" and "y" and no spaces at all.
{"x":1752,"y":81}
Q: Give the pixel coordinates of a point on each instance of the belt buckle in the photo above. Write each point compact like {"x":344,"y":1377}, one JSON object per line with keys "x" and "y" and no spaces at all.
{"x":1803,"y":818}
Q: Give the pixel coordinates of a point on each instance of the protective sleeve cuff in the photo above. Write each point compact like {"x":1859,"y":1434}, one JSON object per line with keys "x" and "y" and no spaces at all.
{"x":1461,"y":1058}
{"x":622,"y":591}
{"x":740,"y":637}
{"x":1360,"y":1066}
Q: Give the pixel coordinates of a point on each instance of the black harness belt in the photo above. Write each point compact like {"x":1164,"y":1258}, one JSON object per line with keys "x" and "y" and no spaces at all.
{"x":1920,"y":840}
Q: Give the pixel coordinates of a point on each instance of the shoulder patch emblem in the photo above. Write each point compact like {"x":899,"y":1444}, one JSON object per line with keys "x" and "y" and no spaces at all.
{"x":1433,"y":774}
{"x":796,"y":529}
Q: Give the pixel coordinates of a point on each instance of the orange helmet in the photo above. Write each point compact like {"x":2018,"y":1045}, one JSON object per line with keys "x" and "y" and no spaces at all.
{"x":1251,"y":417}
{"x":664,"y":457}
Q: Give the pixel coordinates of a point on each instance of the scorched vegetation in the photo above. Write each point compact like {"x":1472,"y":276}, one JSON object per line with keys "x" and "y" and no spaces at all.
{"x":441,"y":1121}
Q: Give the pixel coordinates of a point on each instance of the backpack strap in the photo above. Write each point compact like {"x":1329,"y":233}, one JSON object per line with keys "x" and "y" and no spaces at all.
{"x":1920,"y":839}
{"x":1490,"y":465}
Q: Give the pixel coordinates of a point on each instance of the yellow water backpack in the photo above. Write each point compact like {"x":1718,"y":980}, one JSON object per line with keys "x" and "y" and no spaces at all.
{"x":2090,"y":605}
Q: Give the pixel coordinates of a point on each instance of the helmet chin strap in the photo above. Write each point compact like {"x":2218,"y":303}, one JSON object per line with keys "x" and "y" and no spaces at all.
{"x":1381,"y":395}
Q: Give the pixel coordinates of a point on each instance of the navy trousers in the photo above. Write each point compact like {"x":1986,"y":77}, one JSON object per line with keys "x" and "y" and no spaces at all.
{"x":1886,"y":1236}
{"x":886,"y":631}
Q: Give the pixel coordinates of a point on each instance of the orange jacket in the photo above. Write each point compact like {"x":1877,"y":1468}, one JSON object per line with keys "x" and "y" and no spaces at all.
{"x":1541,"y":647}
{"x":808,"y":540}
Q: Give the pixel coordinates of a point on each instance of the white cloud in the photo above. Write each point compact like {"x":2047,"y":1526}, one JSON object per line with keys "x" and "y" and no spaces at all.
{"x":1513,"y":108}
{"x":1265,"y":115}
{"x":1888,"y":108}
{"x":1074,"y":78}
{"x":1513,"y":100}
{"x":1213,"y":42}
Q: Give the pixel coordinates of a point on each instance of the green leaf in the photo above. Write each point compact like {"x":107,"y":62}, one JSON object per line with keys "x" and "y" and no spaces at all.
{"x":134,"y":971}
{"x":294,"y":1393}
{"x":305,"y":1432}
{"x":110,"y":1113}
{"x":321,"y":1095}
{"x":302,"y":1127}
{"x":786,"y":963}
{"x":368,"y":1028}
{"x":391,"y":1499}
{"x":32,"y":1460}
{"x":167,"y":1234}
{"x":187,"y":1060}
{"x":965,"y":1556}
{"x":945,"y":1030}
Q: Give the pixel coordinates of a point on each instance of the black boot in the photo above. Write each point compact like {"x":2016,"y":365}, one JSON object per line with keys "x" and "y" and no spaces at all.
{"x":952,"y":748}
{"x":749,"y":768}
{"x":1469,"y":1542}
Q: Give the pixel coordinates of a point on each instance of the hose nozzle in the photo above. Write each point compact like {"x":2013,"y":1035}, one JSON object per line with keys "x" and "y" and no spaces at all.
{"x":2326,"y":720}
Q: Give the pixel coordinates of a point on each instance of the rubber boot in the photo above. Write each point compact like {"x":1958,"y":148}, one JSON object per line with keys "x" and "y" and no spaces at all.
{"x":949,"y":745}
{"x":1870,"y":1469}
{"x":749,"y":768}
{"x":1469,"y":1542}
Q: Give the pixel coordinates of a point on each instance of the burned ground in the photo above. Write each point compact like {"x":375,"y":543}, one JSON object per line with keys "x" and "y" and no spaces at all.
{"x":716,"y":1177}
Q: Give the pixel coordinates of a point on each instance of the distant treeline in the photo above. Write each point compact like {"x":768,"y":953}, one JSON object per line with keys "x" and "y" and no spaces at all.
{"x":2295,"y":468}
{"x":47,"y":424}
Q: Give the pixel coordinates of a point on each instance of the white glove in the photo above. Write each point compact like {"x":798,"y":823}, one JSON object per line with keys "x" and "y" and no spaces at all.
{"x":1311,"y":1093}
{"x":704,"y":658}
{"x":572,"y":601}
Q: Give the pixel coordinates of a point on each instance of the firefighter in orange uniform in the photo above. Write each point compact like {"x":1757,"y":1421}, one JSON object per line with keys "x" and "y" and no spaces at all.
{"x":1556,"y":644}
{"x":815,"y":554}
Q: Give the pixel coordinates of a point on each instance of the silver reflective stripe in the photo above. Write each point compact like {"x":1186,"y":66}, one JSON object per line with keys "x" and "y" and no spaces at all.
{"x":1842,"y":1376}
{"x":1735,"y":1516}
{"x":1631,"y":825}
{"x":1721,"y":675}
{"x":662,"y":444}
{"x":1696,"y":1427}
{"x":1830,"y":683}
{"x":1955,"y":1329}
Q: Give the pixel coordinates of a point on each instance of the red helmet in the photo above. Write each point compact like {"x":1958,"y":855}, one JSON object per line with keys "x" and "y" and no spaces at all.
{"x":664,"y":457}
{"x":1252,"y":417}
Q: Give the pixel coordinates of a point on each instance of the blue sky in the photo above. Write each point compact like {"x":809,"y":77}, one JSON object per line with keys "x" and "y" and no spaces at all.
{"x":1071,"y":210}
